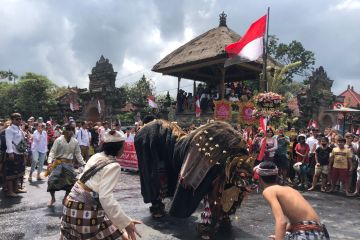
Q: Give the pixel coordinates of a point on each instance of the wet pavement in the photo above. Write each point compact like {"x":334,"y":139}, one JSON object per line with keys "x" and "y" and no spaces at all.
{"x":29,"y":218}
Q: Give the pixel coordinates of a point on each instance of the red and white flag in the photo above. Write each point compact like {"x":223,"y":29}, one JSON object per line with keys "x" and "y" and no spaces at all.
{"x":197,"y":107}
{"x":152,"y":103}
{"x":338,"y":105}
{"x":313,"y":123}
{"x":263,"y":125}
{"x":99,"y":106}
{"x":72,"y":106}
{"x":250,"y":46}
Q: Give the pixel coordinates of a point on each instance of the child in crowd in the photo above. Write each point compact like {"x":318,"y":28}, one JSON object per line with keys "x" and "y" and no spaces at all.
{"x":341,"y":163}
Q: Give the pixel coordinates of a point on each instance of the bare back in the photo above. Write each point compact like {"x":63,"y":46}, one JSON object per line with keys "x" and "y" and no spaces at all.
{"x":295,"y":208}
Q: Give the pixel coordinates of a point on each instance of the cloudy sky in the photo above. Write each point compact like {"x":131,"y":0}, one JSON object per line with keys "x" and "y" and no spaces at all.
{"x":64,"y":39}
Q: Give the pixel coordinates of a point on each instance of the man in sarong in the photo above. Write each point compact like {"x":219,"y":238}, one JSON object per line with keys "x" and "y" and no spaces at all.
{"x":14,"y":163}
{"x":62,"y":175}
{"x":295,"y":219}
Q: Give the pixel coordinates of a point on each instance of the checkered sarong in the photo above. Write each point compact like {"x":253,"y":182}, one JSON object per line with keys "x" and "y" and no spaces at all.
{"x":308,"y":230}
{"x":86,"y":219}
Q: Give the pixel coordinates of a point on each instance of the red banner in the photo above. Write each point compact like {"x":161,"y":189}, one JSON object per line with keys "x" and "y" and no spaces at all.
{"x":222,"y":110}
{"x":246,"y":113}
{"x":128,"y":160}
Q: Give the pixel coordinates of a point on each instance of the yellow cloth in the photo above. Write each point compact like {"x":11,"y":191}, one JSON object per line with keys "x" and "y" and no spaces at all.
{"x":54,"y":164}
{"x":341,"y":157}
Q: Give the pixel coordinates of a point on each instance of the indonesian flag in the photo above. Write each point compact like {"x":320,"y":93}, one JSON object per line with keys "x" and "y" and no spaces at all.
{"x":250,"y":46}
{"x":152,"y":103}
{"x":313,"y":123}
{"x":72,"y":106}
{"x":263,"y":125}
{"x":197,"y":107}
{"x":358,"y":130}
{"x":338,"y":105}
{"x":99,"y":106}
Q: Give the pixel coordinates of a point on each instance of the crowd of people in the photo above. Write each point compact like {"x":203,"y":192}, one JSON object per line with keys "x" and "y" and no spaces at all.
{"x":304,"y":157}
{"x":33,"y":139}
{"x":92,"y":193}
{"x":234,"y":92}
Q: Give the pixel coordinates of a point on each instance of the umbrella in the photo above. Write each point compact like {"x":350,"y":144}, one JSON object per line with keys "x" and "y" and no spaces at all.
{"x":344,"y":111}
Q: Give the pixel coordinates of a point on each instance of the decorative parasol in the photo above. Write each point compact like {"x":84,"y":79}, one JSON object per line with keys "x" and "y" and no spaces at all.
{"x":344,"y":111}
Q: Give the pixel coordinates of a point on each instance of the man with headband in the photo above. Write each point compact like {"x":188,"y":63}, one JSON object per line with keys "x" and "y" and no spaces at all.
{"x":295,"y":219}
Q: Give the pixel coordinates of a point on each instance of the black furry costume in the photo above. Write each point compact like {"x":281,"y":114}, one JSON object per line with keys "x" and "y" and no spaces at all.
{"x":192,"y":161}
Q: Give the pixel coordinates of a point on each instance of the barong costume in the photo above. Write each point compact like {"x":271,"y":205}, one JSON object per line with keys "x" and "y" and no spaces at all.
{"x":191,"y":162}
{"x":14,"y":169}
{"x":154,"y":145}
{"x":90,"y":210}
{"x":62,"y":175}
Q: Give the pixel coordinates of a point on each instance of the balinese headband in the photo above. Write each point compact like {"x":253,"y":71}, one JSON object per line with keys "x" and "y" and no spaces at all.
{"x":266,"y":172}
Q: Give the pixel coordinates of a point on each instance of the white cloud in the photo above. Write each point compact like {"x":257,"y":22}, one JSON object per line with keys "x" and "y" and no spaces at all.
{"x":346,"y":5}
{"x":64,"y":39}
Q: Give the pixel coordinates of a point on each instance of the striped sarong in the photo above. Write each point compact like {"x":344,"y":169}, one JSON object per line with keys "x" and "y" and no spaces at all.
{"x":308,"y":230}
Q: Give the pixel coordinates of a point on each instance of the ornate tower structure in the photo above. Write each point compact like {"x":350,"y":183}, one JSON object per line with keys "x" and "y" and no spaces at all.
{"x":318,"y":98}
{"x":102,"y":77}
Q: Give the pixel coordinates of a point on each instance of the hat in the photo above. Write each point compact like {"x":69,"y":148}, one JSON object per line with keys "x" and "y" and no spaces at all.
{"x":301,"y":135}
{"x":297,"y":166}
{"x":49,"y":122}
{"x":40,"y":119}
{"x":31,"y":119}
{"x":114,"y":136}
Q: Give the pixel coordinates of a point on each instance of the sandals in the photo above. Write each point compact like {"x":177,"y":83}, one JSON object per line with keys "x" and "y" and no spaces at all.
{"x":21,"y":190}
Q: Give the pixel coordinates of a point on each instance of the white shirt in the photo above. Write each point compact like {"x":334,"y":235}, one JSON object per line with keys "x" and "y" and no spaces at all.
{"x":40,"y":142}
{"x":62,"y":149}
{"x":103,"y":183}
{"x":312,"y":141}
{"x":13,"y":135}
{"x":233,"y":99}
{"x":83,"y":136}
{"x":355,"y":146}
{"x":102,"y":132}
{"x":131,"y":137}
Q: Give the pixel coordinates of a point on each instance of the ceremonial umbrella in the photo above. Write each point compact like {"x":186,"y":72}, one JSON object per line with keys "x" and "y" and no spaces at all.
{"x":344,"y":111}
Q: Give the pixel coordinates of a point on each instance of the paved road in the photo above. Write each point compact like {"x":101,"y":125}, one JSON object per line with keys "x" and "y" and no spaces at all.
{"x":29,"y":218}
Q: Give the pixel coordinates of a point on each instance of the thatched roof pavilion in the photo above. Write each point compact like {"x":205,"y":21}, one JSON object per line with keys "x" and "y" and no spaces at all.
{"x":203,"y":58}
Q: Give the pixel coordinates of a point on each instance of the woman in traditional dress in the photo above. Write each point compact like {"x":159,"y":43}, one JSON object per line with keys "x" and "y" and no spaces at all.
{"x":271,"y":145}
{"x":90,"y":210}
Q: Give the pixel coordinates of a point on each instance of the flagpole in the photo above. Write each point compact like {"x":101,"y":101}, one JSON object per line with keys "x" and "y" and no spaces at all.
{"x":265,"y":51}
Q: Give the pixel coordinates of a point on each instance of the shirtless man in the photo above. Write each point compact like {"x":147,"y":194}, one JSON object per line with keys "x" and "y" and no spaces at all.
{"x":294,"y":216}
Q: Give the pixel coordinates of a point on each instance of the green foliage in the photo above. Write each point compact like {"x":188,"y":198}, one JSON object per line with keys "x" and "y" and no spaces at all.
{"x":126,"y":118}
{"x":10,"y":76}
{"x":165,"y":100}
{"x":291,"y":53}
{"x":139,"y":92}
{"x":7,"y":99}
{"x":35,"y":95}
{"x":277,"y":79}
